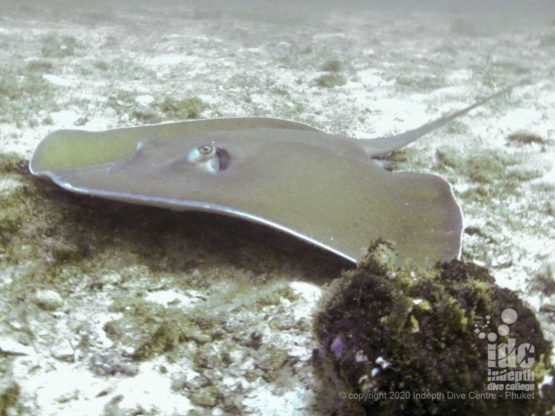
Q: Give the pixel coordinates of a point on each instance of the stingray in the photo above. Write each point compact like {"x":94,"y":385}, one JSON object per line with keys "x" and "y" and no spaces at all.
{"x":325,"y":189}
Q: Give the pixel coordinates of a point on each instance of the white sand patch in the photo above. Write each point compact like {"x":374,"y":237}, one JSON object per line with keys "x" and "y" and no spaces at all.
{"x":60,"y":389}
{"x":98,"y":124}
{"x":64,"y":118}
{"x":459,"y":75}
{"x":309,"y":294}
{"x":370,"y":78}
{"x":264,"y":402}
{"x":145,"y":99}
{"x":549,"y":177}
{"x":152,"y":392}
{"x":63,"y":389}
{"x":58,"y":80}
{"x":514,"y":119}
{"x":168,"y":59}
{"x":167,"y":297}
{"x":9,"y":346}
{"x":401,"y":115}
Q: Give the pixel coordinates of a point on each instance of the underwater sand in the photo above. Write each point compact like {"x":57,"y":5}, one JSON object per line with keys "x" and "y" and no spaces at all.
{"x":90,"y":292}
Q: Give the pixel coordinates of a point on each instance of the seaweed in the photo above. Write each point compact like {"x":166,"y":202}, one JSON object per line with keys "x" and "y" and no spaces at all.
{"x":392,"y":341}
{"x":186,"y":108}
{"x":332,"y":65}
{"x":56,"y":46}
{"x":330,"y":80}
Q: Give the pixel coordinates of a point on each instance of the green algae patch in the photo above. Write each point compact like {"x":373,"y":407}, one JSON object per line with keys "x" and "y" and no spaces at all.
{"x":272,"y":363}
{"x":484,"y":167}
{"x":11,"y":163}
{"x":167,"y":108}
{"x":34,"y":227}
{"x":420,"y":82}
{"x":330,"y":80}
{"x":550,"y":208}
{"x":332,"y":65}
{"x":457,"y":127}
{"x":23,"y":94}
{"x":40,"y":66}
{"x":525,"y":138}
{"x":272,"y":296}
{"x":150,"y":329}
{"x":11,"y":196}
{"x":206,"y":396}
{"x":180,"y":109}
{"x":416,"y":343}
{"x":488,"y":172}
{"x":9,"y":398}
{"x":489,"y":166}
{"x":56,"y":46}
{"x":449,"y":157}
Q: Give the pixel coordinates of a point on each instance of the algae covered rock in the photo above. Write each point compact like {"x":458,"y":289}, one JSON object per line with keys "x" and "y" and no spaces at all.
{"x":448,"y":341}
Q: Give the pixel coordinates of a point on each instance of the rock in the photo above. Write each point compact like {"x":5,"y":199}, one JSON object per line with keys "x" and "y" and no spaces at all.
{"x":271,"y":362}
{"x":63,"y":351}
{"x":190,"y":382}
{"x":525,"y":138}
{"x":11,"y":347}
{"x":110,"y":364}
{"x":432,"y":330}
{"x":48,"y":300}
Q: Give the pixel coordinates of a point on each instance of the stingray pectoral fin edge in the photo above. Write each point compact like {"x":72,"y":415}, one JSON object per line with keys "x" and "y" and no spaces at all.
{"x":444,"y":214}
{"x":451,"y":211}
{"x":191,"y":205}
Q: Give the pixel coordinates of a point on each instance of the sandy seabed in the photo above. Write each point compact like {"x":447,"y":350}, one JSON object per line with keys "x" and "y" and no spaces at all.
{"x":361,"y":71}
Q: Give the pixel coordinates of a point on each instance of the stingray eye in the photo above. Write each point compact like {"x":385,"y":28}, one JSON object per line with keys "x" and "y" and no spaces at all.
{"x":202,"y":153}
{"x":209,"y":158}
{"x":206,"y":150}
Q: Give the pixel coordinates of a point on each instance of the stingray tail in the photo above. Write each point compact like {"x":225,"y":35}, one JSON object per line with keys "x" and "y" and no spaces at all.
{"x":383,"y":145}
